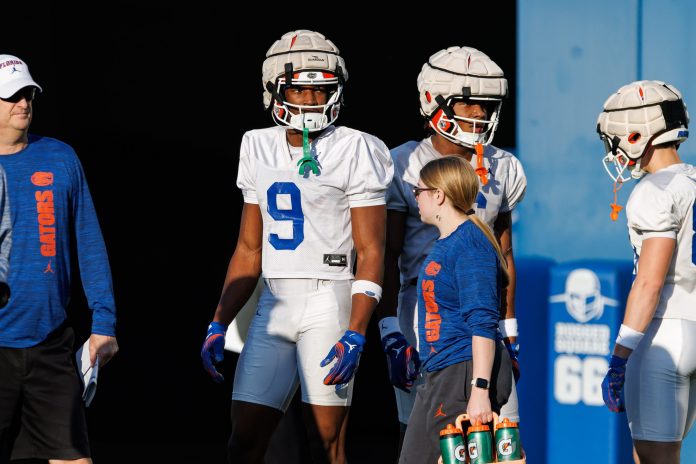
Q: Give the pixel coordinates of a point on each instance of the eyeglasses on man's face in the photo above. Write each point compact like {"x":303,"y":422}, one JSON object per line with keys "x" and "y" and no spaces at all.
{"x":418,"y":190}
{"x":28,"y":93}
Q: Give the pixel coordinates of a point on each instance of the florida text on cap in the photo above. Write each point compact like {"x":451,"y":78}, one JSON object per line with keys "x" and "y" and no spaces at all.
{"x":14,"y":76}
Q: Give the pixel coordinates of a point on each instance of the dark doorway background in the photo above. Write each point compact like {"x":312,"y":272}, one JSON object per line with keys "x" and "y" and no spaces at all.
{"x":155,"y":99}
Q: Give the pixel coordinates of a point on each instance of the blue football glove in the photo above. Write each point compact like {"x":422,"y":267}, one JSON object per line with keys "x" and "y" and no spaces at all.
{"x":613,"y":383}
{"x":402,"y":360}
{"x":213,"y":348}
{"x":514,"y":351}
{"x":347,"y":353}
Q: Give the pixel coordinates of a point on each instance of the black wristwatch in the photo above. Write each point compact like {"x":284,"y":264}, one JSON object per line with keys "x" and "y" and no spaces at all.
{"x":480,"y":383}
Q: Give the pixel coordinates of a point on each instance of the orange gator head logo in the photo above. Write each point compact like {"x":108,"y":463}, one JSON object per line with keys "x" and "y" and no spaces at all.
{"x":42,"y":179}
{"x":432,"y":269}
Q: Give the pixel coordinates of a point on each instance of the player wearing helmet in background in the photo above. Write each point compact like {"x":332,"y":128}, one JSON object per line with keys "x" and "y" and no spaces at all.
{"x":461,"y":91}
{"x":642,"y":125}
{"x":314,"y":197}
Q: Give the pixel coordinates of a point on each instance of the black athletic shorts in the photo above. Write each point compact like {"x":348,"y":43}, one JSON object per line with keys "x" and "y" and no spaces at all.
{"x":41,"y":411}
{"x":442,"y":397}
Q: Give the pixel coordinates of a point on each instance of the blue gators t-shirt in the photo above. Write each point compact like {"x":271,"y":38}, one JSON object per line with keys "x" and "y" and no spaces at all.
{"x":50,"y":201}
{"x":458,"y":297}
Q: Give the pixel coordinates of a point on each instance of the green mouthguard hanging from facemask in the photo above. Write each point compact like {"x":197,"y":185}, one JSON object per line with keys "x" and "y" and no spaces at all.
{"x":307,"y":160}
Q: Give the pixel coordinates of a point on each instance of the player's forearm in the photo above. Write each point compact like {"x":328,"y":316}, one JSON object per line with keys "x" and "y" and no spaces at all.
{"x":242,"y":275}
{"x":508,"y":310}
{"x":390,"y":287}
{"x":369,"y":267}
{"x":396,"y":230}
{"x":640,"y":309}
{"x":369,"y":227}
{"x":641,"y":304}
{"x":503,"y":232}
{"x":360,"y":313}
{"x":655,"y":258}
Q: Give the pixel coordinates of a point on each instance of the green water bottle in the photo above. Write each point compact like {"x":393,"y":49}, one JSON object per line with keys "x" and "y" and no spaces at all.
{"x":452,"y":445}
{"x":479,"y":444}
{"x":507,"y":441}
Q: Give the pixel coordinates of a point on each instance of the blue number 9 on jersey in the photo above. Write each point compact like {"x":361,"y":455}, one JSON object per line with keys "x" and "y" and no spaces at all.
{"x":294,"y":214}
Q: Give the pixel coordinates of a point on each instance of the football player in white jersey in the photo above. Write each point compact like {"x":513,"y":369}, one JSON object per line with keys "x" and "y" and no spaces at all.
{"x":461,"y":91}
{"x":642,"y":125}
{"x":314,"y":198}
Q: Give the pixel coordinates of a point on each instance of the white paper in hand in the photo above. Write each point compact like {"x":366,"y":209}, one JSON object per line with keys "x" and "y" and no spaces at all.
{"x":89,"y":373}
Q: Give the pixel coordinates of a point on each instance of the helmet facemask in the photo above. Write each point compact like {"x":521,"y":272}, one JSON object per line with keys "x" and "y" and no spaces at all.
{"x":311,"y":117}
{"x":618,"y":163}
{"x":444,"y":120}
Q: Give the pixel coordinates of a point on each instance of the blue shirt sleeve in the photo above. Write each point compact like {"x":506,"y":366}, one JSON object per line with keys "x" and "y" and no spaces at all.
{"x":5,"y":228}
{"x":477,"y":283}
{"x":93,"y":260}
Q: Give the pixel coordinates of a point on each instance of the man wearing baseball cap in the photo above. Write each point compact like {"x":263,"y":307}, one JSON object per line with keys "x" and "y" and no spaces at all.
{"x":41,"y":409}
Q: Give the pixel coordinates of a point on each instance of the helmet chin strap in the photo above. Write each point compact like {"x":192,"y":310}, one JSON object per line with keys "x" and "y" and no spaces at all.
{"x":637,"y":172}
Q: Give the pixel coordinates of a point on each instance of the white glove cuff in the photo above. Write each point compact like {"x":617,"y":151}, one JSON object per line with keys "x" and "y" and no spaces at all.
{"x":629,"y":337}
{"x":387,"y":326}
{"x":367,"y":288}
{"x":508,"y":327}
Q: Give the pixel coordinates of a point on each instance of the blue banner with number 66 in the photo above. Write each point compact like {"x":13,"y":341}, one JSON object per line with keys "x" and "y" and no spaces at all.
{"x":585,"y":312}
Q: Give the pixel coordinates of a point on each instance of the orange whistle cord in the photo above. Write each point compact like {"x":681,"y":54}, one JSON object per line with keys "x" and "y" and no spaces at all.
{"x":616,"y":208}
{"x":481,"y":171}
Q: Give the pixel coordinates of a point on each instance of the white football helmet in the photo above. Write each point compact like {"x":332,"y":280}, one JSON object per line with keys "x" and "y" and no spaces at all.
{"x":461,"y":74}
{"x":303,"y":57}
{"x":638,"y":116}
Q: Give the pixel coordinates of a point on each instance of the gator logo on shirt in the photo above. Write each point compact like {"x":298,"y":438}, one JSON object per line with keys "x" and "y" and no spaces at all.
{"x":46,"y":213}
{"x":42,"y":179}
{"x":432,"y":269}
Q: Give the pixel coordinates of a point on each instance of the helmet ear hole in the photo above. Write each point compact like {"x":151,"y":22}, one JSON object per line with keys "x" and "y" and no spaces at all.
{"x":633,"y":137}
{"x":442,"y":124}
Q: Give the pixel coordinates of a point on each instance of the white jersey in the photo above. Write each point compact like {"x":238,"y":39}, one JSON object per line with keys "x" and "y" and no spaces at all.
{"x":662,"y":205}
{"x":306,"y":218}
{"x":505,"y":189}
